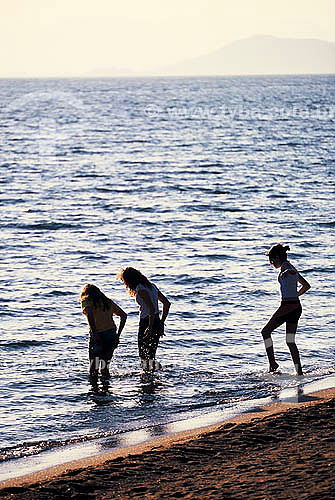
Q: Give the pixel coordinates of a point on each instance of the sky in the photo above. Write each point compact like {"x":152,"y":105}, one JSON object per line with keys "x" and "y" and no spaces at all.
{"x":81,"y":37}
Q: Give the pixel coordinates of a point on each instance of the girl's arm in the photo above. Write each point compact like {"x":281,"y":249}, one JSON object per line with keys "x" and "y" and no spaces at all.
{"x":117,"y":311}
{"x":166,"y":305}
{"x":304,"y":285}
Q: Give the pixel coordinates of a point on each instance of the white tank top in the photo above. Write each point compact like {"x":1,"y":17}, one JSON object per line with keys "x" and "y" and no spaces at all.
{"x":153,"y":295}
{"x":288,"y":284}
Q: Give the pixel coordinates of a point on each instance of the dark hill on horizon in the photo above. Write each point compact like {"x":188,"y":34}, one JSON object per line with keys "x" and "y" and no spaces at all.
{"x":260,"y":55}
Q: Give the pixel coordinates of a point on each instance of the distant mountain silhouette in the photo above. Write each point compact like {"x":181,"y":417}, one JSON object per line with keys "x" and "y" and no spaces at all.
{"x":261,"y":55}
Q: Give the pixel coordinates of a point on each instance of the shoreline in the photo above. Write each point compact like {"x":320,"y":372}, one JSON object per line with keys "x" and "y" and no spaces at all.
{"x":58,"y":458}
{"x":25,"y":486}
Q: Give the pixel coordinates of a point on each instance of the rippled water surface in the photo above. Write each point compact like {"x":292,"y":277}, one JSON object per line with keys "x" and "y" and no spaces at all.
{"x":190,"y":180}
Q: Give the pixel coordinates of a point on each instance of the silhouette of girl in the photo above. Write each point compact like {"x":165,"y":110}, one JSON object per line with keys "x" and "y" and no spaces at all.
{"x":290,"y":309}
{"x":104,"y":337}
{"x":151,"y":326}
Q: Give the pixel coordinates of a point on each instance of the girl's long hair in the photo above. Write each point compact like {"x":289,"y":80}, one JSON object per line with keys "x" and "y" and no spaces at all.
{"x":278,"y":250}
{"x":131,"y":278}
{"x":96,"y":295}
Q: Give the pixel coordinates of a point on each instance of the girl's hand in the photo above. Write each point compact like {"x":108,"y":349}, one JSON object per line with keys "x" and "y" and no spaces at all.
{"x":147,"y":332}
{"x":160,"y":329}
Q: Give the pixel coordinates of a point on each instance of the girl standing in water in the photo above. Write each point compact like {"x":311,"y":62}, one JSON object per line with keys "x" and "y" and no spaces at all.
{"x":290,"y":309}
{"x":104,"y":337}
{"x":151,"y":326}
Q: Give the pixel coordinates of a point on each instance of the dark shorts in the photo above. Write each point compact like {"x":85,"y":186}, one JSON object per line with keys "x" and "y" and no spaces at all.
{"x":103,"y":344}
{"x":288,"y":312}
{"x":147,"y":346}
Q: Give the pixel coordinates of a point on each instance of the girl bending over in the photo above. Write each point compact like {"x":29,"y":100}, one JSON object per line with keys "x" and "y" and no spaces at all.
{"x":151,"y":326}
{"x":104,"y":337}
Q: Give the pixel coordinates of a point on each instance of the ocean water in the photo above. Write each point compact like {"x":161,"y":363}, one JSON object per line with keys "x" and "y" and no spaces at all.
{"x":190,"y":180}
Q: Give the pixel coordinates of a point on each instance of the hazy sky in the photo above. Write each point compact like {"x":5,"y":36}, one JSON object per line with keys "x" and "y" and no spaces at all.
{"x":75,"y":37}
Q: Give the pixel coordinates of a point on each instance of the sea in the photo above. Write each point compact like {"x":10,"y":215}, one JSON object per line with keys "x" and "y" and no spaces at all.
{"x":189,"y":180}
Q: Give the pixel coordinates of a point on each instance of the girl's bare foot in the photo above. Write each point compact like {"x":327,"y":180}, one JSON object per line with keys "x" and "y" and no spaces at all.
{"x":273,"y":367}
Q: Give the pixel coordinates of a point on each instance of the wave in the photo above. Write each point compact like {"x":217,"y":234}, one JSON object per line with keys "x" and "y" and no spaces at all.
{"x":327,"y":224}
{"x":214,"y":256}
{"x":89,"y":175}
{"x":210,"y":208}
{"x":318,"y":270}
{"x":43,"y":226}
{"x":12,"y":201}
{"x":9,"y":345}
{"x":57,"y":293}
{"x":27,"y":449}
{"x":123,"y":190}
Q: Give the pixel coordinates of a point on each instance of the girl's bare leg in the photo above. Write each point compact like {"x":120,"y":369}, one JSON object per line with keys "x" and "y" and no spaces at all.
{"x":266,"y":334}
{"x":94,"y":367}
{"x":105,"y":368}
{"x":291,"y":329}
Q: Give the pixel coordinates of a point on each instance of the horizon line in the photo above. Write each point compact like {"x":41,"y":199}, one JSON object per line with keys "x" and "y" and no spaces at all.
{"x":140,"y":75}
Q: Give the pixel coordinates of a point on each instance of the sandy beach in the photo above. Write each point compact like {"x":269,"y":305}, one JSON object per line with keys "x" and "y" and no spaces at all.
{"x":280,"y":451}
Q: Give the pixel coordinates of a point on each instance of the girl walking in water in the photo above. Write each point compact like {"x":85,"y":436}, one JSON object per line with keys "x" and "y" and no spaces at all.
{"x":151,"y":326}
{"x":290,"y":309}
{"x":104,"y":337}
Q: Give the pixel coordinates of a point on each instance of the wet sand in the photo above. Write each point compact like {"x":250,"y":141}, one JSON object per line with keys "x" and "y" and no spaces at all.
{"x":280,"y":451}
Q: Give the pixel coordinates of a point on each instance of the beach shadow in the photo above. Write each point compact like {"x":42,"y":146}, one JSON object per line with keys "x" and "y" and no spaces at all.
{"x":300,"y":398}
{"x":295,"y":395}
{"x":256,"y":409}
